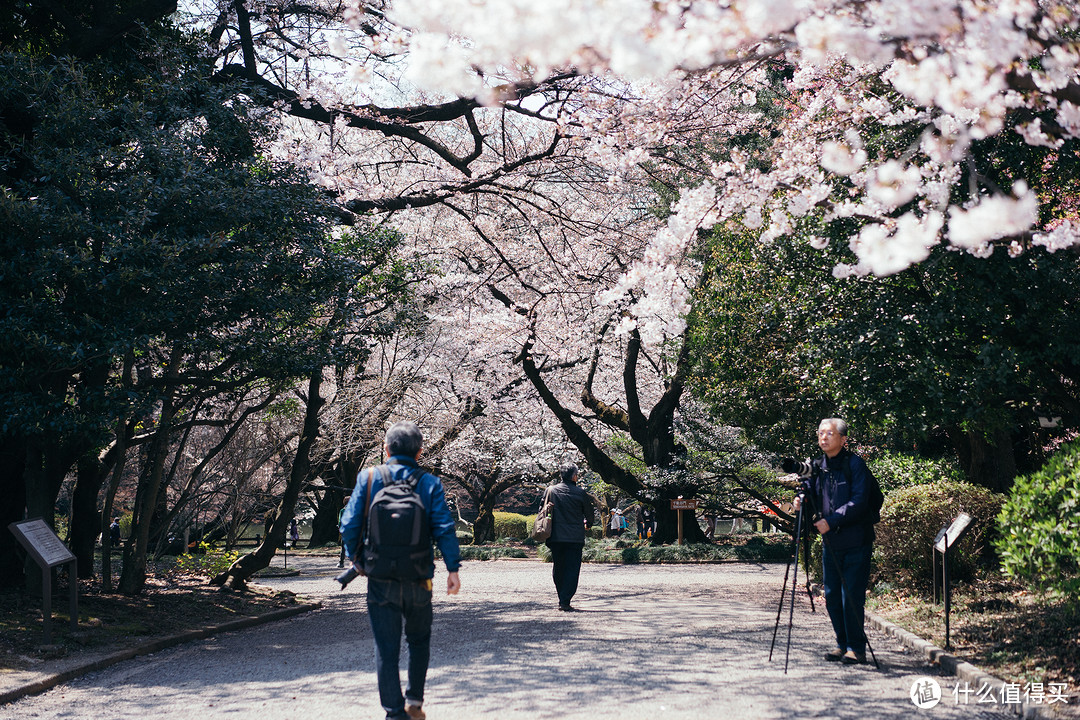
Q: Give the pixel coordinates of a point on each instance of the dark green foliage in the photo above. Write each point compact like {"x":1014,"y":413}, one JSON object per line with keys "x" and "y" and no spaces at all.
{"x":1039,"y":539}
{"x":895,"y":470}
{"x":491,"y":552}
{"x":974,"y":346}
{"x":913,"y":516}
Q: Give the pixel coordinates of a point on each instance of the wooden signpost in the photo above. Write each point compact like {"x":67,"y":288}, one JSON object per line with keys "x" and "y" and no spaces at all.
{"x":679,"y":505}
{"x":48,"y":551}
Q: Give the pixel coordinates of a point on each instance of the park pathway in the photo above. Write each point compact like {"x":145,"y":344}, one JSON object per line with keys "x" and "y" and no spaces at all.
{"x":650,"y":642}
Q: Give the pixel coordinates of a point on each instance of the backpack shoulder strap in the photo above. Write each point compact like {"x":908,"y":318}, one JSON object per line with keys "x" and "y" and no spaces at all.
{"x":367,"y":499}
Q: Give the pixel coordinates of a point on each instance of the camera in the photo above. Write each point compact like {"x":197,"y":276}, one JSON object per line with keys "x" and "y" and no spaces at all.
{"x":802,"y":468}
{"x":350,"y":574}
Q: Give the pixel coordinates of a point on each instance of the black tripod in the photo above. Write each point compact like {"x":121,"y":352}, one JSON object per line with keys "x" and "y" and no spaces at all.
{"x":801,"y":534}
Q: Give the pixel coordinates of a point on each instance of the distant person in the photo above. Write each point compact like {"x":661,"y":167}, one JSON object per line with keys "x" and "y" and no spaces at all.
{"x":294,"y":532}
{"x":341,"y":512}
{"x":114,"y":531}
{"x":403,"y":595}
{"x":839,"y":492}
{"x":571,"y":513}
{"x":710,"y":524}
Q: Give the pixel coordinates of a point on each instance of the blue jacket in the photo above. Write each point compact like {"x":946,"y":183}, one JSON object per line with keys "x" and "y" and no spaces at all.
{"x":430,"y":490}
{"x":841,"y":491}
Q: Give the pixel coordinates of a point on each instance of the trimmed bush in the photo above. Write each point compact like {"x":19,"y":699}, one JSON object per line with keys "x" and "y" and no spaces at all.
{"x":912,"y":518}
{"x":464,"y":537}
{"x":1039,"y":539}
{"x":511,"y":525}
{"x":491,"y":552}
{"x":628,"y":551}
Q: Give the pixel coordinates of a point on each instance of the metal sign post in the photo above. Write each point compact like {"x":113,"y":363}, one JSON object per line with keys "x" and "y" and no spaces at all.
{"x":48,"y":551}
{"x":945,"y":540}
{"x":679,"y":505}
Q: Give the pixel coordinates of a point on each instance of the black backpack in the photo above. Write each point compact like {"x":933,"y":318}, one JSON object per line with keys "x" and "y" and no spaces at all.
{"x":397,"y":538}
{"x":877,"y":498}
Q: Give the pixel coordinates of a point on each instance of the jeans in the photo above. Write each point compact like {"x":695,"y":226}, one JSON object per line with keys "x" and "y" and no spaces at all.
{"x":846,"y":574}
{"x":565,"y":569}
{"x":390,"y":602}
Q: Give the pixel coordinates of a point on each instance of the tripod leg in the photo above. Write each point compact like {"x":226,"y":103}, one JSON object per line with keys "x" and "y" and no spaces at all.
{"x":794,"y":588}
{"x":779,"y":609}
{"x":806,"y":567}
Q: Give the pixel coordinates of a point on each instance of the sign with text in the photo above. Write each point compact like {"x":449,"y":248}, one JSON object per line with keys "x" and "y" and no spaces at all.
{"x":48,"y":551}
{"x":953,"y":533}
{"x":681,"y":504}
{"x":41,"y":542}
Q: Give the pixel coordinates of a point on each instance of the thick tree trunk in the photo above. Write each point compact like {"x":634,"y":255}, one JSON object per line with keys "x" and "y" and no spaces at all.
{"x":85,"y":519}
{"x":13,"y":490}
{"x":240,"y":572}
{"x":484,"y":527}
{"x":324,"y":526}
{"x":987,"y":460}
{"x":133,"y":573}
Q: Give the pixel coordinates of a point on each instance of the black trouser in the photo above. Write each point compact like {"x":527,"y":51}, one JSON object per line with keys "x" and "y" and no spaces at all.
{"x":566,"y":567}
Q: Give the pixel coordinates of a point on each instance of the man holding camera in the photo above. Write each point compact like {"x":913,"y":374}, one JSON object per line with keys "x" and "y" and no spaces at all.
{"x":402,"y":595}
{"x":838,"y":492}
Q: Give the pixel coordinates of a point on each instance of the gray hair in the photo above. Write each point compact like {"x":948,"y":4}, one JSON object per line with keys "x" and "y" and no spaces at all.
{"x":839,"y":425}
{"x":404,"y":438}
{"x":568,"y":472}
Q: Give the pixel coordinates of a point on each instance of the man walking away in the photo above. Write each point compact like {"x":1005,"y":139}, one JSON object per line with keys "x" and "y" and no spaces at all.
{"x":571,"y":512}
{"x":399,"y":585}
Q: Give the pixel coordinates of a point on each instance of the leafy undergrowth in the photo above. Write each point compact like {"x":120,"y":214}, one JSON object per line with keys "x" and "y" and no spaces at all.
{"x":629,"y":551}
{"x":172,"y":603}
{"x":997,"y":625}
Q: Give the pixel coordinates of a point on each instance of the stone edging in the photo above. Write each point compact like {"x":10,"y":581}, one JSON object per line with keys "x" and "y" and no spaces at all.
{"x":974,"y":676}
{"x":151,"y":646}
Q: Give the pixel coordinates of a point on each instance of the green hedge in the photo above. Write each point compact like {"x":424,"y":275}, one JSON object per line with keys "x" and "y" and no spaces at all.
{"x":628,"y":551}
{"x":511,"y":525}
{"x":1039,"y":540}
{"x":912,"y":518}
{"x":490,"y":552}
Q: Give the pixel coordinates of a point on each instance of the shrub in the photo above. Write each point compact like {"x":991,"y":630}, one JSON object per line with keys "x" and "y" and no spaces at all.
{"x":913,"y":516}
{"x":1039,"y":539}
{"x":630,"y":551}
{"x":464,"y":537}
{"x":897,"y":470}
{"x":511,"y":525}
{"x":491,"y":552}
{"x":208,"y":562}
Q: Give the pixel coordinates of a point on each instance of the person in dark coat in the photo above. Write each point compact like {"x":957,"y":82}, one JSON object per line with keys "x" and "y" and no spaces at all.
{"x":572,"y":511}
{"x":840,"y":491}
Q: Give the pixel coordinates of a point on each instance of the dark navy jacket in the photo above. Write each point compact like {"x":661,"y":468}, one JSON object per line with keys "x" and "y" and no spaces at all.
{"x":841,"y":491}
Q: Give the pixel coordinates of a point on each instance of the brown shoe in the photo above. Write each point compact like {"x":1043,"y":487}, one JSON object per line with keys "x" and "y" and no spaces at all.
{"x":415,"y":712}
{"x":853,"y":658}
{"x":835,"y":655}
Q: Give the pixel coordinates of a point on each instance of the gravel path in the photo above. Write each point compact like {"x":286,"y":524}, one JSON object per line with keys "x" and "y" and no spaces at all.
{"x":672,"y":641}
